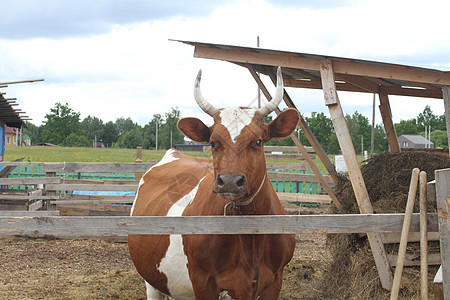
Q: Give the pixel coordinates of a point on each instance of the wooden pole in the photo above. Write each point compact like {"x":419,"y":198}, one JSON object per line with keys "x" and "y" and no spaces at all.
{"x":423,"y":237}
{"x":446,"y":96}
{"x":372,"y":136}
{"x":405,"y":231}
{"x":22,"y":81}
{"x":443,"y":206}
{"x":348,"y":151}
{"x":386,"y":115}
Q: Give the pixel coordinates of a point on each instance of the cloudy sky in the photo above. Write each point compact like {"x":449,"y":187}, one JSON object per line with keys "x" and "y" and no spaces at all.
{"x":112,"y":59}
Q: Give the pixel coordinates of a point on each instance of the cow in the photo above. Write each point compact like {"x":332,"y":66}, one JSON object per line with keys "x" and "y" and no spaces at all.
{"x":233,"y":182}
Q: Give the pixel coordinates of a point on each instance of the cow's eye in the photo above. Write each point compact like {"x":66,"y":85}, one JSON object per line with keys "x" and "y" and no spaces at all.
{"x":213,"y":145}
{"x":258,"y":143}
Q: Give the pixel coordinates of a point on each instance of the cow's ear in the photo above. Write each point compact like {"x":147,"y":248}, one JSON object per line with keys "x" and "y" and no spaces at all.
{"x":284,"y":124}
{"x":194,"y":129}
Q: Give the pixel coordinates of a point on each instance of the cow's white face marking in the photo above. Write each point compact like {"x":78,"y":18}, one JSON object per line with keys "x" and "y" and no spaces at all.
{"x":174,"y":263}
{"x":235,"y":119}
{"x":224,"y":296}
{"x":167,"y":158}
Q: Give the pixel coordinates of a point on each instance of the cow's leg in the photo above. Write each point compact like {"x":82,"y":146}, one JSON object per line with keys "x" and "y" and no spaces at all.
{"x":152,"y":293}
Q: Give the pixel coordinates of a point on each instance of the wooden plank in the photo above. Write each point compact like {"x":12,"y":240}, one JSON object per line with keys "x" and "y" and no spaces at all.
{"x":21,"y":164}
{"x":100,"y":201}
{"x":111,"y":198}
{"x":285,"y":149}
{"x":97,"y":167}
{"x":297,"y":177}
{"x":287,"y":166}
{"x":92,"y":187}
{"x":27,"y":213}
{"x":285,"y":156}
{"x":446,"y":96}
{"x":349,"y":223}
{"x":29,"y":181}
{"x":342,"y":66}
{"x":443,"y":206}
{"x":359,"y":187}
{"x":394,"y":238}
{"x":98,"y":181}
{"x":35,"y":205}
{"x":309,"y":198}
{"x":414,"y":259}
{"x":386,"y":115}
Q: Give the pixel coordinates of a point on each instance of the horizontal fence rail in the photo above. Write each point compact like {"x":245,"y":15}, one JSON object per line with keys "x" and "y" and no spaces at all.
{"x":101,"y":226}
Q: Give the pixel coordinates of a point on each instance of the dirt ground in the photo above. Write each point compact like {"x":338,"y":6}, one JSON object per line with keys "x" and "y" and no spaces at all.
{"x":98,"y":269}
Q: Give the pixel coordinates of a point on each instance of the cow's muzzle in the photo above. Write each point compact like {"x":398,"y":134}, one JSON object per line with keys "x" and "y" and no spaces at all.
{"x":230,"y":185}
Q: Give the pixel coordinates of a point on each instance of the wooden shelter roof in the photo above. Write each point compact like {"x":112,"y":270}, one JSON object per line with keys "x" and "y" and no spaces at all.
{"x":9,"y":115}
{"x":302,"y":70}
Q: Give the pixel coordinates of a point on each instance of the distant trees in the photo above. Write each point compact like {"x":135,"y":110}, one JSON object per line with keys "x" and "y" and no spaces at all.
{"x":62,"y":126}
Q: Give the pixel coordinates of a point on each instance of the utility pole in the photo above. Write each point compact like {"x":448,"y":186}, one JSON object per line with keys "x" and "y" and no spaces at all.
{"x":372,"y":137}
{"x":156,"y":122}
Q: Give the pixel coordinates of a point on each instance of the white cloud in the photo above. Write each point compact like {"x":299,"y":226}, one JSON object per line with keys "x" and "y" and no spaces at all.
{"x":134,"y":71}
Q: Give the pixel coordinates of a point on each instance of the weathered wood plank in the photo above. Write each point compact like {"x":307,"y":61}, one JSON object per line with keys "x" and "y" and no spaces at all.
{"x":443,"y":206}
{"x":310,"y":198}
{"x":284,"y":156}
{"x":285,"y":149}
{"x":97,"y":167}
{"x":27,"y":213}
{"x":297,"y":177}
{"x":36,"y":205}
{"x":302,"y":165}
{"x":414,"y":259}
{"x":79,"y":226}
{"x":92,"y":187}
{"x":29,"y":181}
{"x":394,"y":238}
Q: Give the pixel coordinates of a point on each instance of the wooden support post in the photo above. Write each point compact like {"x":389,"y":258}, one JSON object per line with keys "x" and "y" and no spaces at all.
{"x":423,"y":237}
{"x":386,"y":114}
{"x":405,"y":231}
{"x":348,"y":151}
{"x":299,"y":145}
{"x":49,"y":206}
{"x":446,"y":96}
{"x":309,"y":134}
{"x":138,"y":175}
{"x":443,"y":206}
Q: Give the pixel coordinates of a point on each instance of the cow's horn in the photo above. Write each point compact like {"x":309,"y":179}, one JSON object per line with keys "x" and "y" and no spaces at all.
{"x":205,"y":105}
{"x":273,"y":104}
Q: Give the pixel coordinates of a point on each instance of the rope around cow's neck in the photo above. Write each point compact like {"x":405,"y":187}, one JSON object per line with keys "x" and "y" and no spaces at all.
{"x":246,"y":202}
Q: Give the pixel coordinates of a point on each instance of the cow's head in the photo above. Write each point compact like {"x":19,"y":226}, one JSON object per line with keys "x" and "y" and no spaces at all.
{"x":237,"y":140}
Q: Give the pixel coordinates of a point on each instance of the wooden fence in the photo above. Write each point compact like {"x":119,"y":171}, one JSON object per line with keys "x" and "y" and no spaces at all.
{"x":35,"y":224}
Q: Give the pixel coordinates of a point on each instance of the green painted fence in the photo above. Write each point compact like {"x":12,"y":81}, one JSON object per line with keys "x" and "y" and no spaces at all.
{"x":279,"y":186}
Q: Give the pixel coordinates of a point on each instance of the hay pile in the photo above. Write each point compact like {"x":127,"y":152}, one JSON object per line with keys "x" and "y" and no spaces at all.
{"x":352,"y":273}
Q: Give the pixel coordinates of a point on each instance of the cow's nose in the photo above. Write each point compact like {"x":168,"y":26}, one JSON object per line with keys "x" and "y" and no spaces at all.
{"x":229,"y":183}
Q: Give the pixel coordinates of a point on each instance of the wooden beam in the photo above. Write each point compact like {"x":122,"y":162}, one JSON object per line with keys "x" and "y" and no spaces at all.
{"x":341,"y":66}
{"x":386,"y":115}
{"x":288,"y":224}
{"x":22,"y":81}
{"x":299,"y":145}
{"x":356,"y":178}
{"x":446,"y":96}
{"x":443,"y":206}
{"x":309,"y":134}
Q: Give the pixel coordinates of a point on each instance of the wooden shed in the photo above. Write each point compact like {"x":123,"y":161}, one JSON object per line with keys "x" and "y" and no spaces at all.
{"x":332,"y":74}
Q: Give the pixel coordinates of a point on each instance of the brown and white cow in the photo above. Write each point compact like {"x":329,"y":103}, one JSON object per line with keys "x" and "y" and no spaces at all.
{"x":235,"y":182}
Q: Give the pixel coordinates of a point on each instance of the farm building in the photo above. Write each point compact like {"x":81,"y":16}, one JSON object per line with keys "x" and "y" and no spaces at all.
{"x":414,"y":142}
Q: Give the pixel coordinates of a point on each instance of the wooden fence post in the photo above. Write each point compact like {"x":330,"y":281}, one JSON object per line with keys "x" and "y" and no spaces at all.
{"x":49,"y":206}
{"x":443,"y":206}
{"x":138,"y":175}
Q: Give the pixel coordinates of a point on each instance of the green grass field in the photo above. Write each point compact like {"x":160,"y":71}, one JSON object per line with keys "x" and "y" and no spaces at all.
{"x":74,"y":154}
